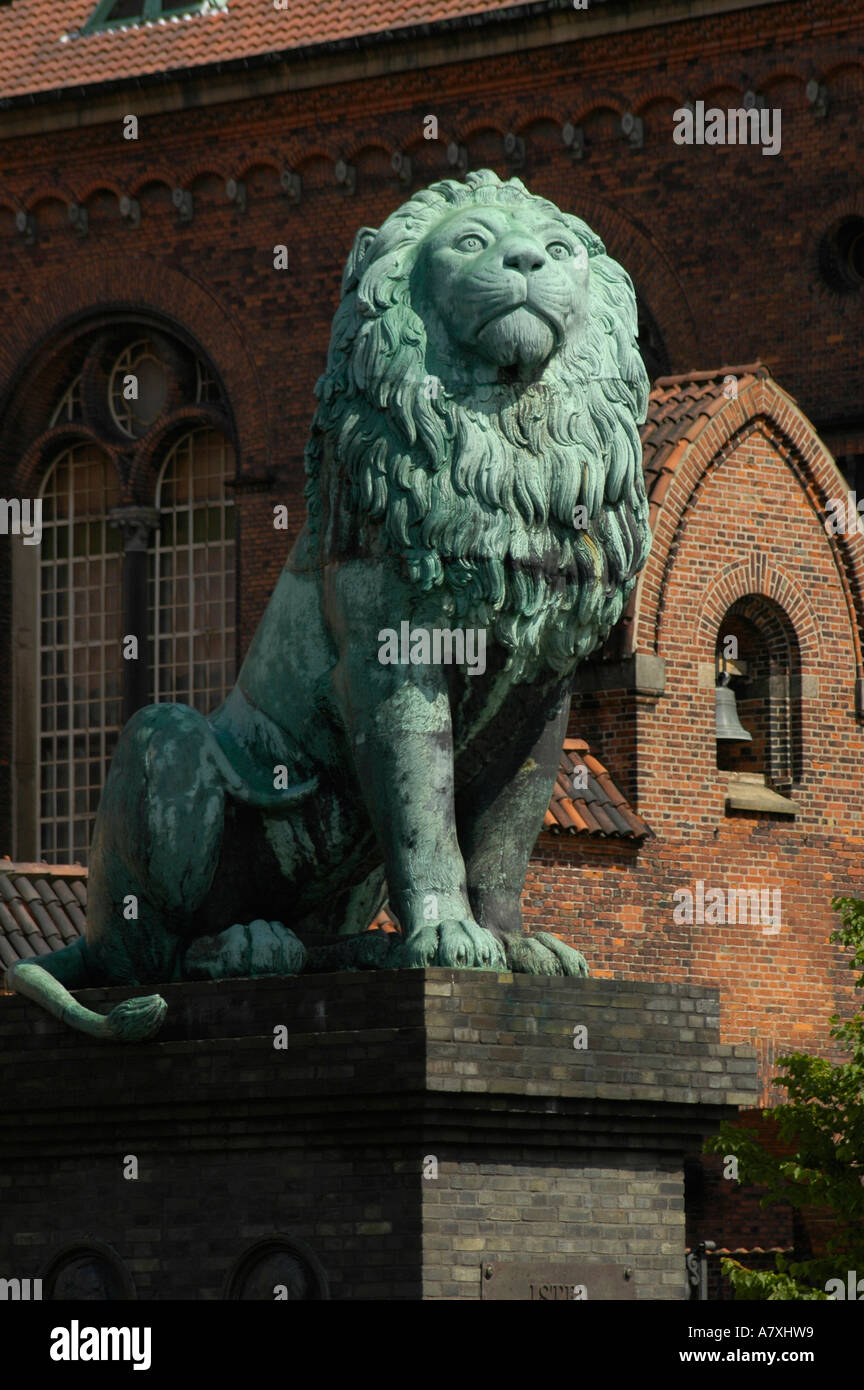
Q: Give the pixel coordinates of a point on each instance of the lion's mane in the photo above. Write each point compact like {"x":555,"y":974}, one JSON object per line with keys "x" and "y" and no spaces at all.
{"x":476,"y":490}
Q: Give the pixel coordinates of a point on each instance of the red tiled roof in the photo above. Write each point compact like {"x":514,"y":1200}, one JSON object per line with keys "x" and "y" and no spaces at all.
{"x":679,"y":408}
{"x":598,"y":808}
{"x":42,"y":908}
{"x":41,"y":48}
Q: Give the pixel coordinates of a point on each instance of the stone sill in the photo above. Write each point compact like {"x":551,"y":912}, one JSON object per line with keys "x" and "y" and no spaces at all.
{"x":748,"y":791}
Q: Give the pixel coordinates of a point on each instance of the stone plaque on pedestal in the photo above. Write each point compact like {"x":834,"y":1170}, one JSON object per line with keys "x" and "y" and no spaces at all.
{"x":562,"y":1283}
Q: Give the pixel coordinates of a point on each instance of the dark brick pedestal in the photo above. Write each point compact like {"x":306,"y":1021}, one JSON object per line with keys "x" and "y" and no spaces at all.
{"x":419,"y":1130}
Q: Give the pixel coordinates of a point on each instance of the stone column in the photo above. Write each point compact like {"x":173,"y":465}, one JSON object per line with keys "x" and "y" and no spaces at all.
{"x":137,"y":524}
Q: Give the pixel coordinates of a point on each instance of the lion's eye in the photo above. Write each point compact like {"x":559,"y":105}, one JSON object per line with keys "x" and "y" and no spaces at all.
{"x":470,"y":242}
{"x":559,"y":250}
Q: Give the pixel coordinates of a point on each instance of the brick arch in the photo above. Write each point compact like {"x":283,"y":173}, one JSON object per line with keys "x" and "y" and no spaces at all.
{"x":145,"y":286}
{"x":57,"y":191}
{"x":650,"y":270}
{"x":205,"y":168}
{"x":771,"y":620}
{"x":44,"y":451}
{"x":777,"y":76}
{"x":284,"y":154}
{"x":153,"y":447}
{"x":758,"y":577}
{"x":842,"y":66}
{"x":413,"y":144}
{"x":99,"y":185}
{"x":846,"y":206}
{"x":43,"y":201}
{"x":153,"y":176}
{"x":312,"y":158}
{"x":194,"y":179}
{"x":771,"y":641}
{"x":536,"y":115}
{"x":761,"y":406}
{"x":715,"y":92}
{"x":850,"y":205}
{"x":485,"y":126}
{"x":369,"y":153}
{"x":655,"y":95}
{"x":259,"y":161}
{"x":599,"y":105}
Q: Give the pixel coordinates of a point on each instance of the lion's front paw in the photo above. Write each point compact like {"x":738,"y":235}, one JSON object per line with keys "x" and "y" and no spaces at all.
{"x":460,"y":945}
{"x":542,"y":954}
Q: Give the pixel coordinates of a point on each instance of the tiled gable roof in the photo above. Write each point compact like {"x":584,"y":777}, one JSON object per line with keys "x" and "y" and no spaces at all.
{"x":42,"y":47}
{"x":679,"y":408}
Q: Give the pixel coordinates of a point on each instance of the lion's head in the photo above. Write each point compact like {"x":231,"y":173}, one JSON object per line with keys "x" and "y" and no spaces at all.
{"x":479,"y":417}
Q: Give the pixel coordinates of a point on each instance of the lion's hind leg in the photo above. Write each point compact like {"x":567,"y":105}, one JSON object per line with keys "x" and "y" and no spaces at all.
{"x":154,"y":852}
{"x":244,"y":950}
{"x":156,"y":845}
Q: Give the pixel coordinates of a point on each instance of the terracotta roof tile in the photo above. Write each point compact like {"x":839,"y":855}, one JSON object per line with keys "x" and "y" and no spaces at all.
{"x":679,"y":409}
{"x":597,"y":808}
{"x":42,"y":47}
{"x":41,"y":909}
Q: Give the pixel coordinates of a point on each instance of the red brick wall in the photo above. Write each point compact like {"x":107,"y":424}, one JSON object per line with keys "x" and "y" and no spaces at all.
{"x":777,"y":992}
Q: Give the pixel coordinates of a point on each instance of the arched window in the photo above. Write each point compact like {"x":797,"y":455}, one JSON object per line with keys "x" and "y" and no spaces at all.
{"x":191,"y":589}
{"x":137,"y":541}
{"x":758,"y":657}
{"x":80,"y":675}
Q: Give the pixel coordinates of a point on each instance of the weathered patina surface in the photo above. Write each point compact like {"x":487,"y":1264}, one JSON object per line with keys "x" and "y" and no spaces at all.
{"x":473,"y":467}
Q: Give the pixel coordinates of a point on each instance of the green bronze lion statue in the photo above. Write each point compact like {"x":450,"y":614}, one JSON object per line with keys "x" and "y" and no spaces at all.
{"x":474,"y":470}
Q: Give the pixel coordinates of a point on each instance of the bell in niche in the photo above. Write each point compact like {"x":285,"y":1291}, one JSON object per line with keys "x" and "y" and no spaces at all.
{"x":728,"y":726}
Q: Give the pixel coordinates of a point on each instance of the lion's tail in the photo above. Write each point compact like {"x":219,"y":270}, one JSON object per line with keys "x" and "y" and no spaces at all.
{"x":44,"y":981}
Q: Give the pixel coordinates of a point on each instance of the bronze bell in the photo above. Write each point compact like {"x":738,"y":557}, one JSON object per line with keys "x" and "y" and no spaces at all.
{"x":728,"y":726}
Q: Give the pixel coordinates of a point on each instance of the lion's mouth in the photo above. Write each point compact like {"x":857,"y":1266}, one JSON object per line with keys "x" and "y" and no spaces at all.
{"x":556,"y":328}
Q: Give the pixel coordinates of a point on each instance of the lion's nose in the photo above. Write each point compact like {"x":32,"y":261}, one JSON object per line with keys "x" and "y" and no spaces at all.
{"x":525,"y":257}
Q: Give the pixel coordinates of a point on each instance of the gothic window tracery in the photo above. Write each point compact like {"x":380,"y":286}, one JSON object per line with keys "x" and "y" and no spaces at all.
{"x":137,"y":541}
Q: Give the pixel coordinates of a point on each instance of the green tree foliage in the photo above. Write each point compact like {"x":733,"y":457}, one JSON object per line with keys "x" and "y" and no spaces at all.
{"x":821,"y":1126}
